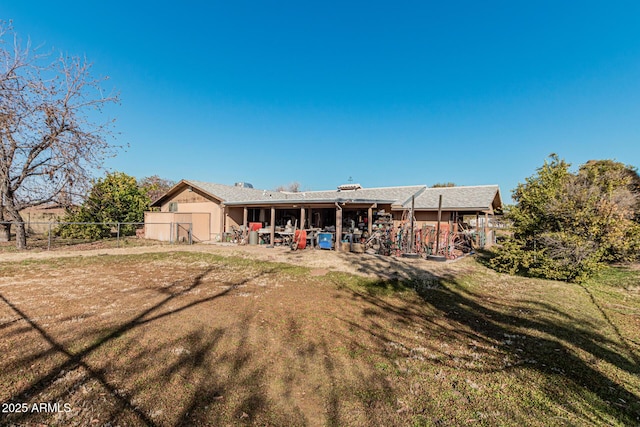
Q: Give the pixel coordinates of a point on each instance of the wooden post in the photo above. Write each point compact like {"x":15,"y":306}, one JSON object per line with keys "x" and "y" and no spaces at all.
{"x":310,"y":218}
{"x":302,"y":218}
{"x":272,"y":235}
{"x":338,"y":227}
{"x":477,"y":229}
{"x":486,"y":230}
{"x":438,"y":225}
{"x":245,"y":225}
{"x":223,"y":214}
{"x":412,"y":236}
{"x":370,"y":219}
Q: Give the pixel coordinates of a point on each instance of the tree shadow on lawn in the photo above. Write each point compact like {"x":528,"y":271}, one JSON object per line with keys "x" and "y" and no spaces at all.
{"x":216,"y":375}
{"x":547,"y":347}
{"x":123,"y":401}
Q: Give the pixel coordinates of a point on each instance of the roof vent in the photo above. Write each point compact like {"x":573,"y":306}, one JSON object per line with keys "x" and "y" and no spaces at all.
{"x":243,"y":185}
{"x":345,"y":187}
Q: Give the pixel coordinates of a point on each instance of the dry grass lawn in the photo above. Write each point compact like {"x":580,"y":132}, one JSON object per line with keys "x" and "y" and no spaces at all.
{"x":227,"y":337}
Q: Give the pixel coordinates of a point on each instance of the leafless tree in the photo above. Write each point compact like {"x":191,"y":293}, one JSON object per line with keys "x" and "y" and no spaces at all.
{"x":154,"y":186}
{"x":50,"y":141}
{"x":292,"y":187}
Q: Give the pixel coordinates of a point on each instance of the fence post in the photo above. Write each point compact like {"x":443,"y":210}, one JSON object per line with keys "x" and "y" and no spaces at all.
{"x":171,"y":233}
{"x":118,"y":238}
{"x":191,"y":233}
{"x":49,"y":246}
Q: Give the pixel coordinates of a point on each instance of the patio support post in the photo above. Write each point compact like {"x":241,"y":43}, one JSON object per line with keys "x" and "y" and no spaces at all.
{"x":438,"y":225}
{"x":338,"y":227}
{"x":272,"y":235}
{"x":486,"y":230}
{"x":302,"y":218}
{"x":245,"y":225}
{"x":223,"y":214}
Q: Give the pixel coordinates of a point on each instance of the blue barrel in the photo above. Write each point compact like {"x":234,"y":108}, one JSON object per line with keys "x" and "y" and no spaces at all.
{"x":325,"y":240}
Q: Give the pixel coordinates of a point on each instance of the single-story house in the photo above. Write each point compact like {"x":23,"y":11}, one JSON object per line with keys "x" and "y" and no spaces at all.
{"x":211,"y":211}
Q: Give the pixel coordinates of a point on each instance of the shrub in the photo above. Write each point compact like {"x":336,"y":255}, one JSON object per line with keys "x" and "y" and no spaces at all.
{"x":568,"y":225}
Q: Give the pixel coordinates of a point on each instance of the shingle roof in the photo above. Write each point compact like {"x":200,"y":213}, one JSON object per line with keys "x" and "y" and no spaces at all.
{"x":393,"y":195}
{"x":479,"y":197}
{"x":237,"y":195}
{"x":459,"y":198}
{"x":231,"y":193}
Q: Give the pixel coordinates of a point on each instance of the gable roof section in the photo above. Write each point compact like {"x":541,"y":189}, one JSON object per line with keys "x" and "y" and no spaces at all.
{"x":221,"y":192}
{"x":472,"y":198}
{"x":231,"y":193}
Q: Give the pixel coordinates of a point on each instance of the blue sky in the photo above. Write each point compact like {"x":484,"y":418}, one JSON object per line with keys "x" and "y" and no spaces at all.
{"x":387,"y":93}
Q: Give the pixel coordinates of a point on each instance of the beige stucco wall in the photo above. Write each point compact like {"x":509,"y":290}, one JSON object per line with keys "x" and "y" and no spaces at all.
{"x":194,"y":202}
{"x":157,"y":225}
{"x":171,"y":226}
{"x":235,"y":216}
{"x":185,"y":196}
{"x":201,"y":226}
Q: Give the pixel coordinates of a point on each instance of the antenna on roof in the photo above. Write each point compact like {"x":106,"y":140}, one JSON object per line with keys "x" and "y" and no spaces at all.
{"x":350,"y":179}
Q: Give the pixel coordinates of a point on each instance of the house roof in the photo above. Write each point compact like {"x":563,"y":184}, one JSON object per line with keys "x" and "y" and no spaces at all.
{"x":470,"y":198}
{"x":232,"y":193}
{"x":461,"y":198}
{"x":391,"y":195}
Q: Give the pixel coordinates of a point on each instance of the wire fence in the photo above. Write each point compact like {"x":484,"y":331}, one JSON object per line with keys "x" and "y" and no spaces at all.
{"x":55,"y":234}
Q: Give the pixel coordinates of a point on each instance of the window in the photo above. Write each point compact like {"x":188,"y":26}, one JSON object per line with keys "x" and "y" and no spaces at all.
{"x":173,"y":207}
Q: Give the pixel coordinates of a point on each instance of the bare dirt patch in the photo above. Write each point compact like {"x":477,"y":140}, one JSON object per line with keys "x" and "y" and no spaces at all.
{"x":318,"y":272}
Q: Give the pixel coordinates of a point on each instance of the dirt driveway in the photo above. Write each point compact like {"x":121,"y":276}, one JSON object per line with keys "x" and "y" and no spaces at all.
{"x":320,"y":261}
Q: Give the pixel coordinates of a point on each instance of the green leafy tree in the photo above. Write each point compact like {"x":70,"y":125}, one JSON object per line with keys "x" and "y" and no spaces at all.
{"x":567,"y":225}
{"x":115,"y":198}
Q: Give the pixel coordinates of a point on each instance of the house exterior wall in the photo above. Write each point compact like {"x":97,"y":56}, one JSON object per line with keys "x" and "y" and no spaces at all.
{"x":157,"y":225}
{"x":172,"y":226}
{"x":235,"y":216}
{"x":201,"y":223}
{"x":185,"y":196}
{"x":188,"y":201}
